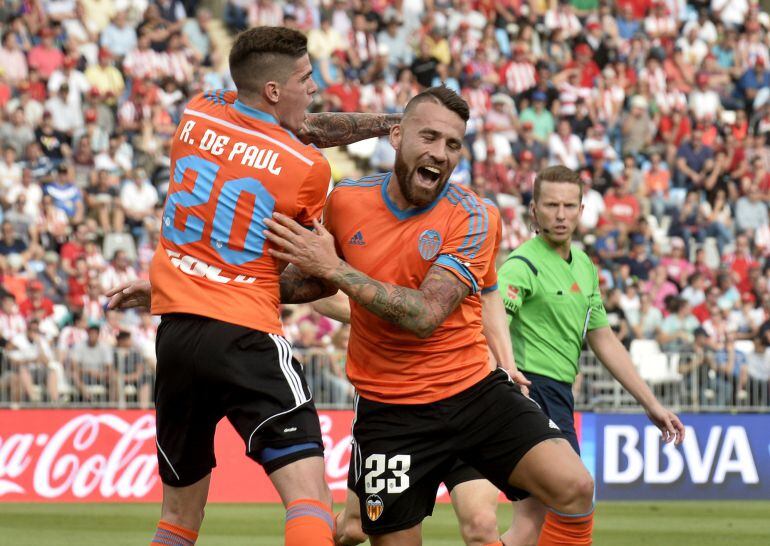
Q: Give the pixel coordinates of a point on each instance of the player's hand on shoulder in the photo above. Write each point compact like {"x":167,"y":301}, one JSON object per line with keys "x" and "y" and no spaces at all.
{"x":311,"y":251}
{"x":130,"y":295}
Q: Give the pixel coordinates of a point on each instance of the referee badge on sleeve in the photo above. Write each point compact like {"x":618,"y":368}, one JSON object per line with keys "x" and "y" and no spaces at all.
{"x":512,"y":292}
{"x":374,"y":507}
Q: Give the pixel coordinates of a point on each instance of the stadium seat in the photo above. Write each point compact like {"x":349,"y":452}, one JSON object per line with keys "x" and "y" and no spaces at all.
{"x":642,"y":348}
{"x":746,"y":346}
{"x":712,"y":252}
{"x":119,"y":241}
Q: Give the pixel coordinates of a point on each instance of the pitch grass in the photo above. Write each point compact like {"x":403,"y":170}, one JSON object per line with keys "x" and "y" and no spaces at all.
{"x":617,"y":524}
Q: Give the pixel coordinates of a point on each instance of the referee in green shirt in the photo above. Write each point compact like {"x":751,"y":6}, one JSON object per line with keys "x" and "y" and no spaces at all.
{"x":551,"y":294}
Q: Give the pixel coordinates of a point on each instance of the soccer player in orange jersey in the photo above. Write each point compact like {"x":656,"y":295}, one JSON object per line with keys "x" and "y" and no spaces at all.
{"x":413,"y":253}
{"x":235,"y":159}
{"x":474,"y":499}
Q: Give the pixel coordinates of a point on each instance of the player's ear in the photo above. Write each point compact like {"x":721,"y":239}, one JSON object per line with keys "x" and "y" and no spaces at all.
{"x":272,"y":92}
{"x":395,"y":136}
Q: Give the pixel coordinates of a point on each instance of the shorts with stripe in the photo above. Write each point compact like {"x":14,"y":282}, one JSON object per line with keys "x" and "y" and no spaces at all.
{"x":208,"y":369}
{"x":402,"y":452}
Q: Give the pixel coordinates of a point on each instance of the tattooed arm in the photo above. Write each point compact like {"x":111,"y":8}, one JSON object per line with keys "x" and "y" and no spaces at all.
{"x":296,"y":287}
{"x":337,"y":129}
{"x":419,"y":311}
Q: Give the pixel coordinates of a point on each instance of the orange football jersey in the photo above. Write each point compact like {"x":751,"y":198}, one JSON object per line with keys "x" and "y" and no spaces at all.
{"x":232,"y":166}
{"x":385,"y":362}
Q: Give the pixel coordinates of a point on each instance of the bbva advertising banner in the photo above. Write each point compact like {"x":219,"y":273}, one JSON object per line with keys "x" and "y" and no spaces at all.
{"x":722,"y":457}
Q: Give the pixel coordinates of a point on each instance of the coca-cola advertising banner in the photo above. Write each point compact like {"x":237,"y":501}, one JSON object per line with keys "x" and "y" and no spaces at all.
{"x":98,"y":456}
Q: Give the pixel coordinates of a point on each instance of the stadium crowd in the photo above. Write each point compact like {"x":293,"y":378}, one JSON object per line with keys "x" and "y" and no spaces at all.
{"x":663,"y":106}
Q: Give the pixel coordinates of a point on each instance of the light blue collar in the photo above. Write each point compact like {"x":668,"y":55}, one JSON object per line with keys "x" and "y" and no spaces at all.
{"x":408,"y":213}
{"x":254,"y":113}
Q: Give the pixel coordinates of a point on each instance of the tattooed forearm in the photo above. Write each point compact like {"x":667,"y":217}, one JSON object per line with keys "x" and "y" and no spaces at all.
{"x":337,"y":129}
{"x":298,"y":288}
{"x":418,"y":311}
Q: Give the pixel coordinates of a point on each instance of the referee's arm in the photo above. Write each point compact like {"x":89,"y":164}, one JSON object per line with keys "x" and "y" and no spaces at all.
{"x":607,"y":347}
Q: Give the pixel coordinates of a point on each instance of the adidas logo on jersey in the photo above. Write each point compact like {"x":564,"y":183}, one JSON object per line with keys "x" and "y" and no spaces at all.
{"x":357,"y":239}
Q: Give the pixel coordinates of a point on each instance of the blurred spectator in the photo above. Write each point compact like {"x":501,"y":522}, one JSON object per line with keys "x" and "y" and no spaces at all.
{"x":13,"y":62}
{"x":751,"y":212}
{"x":53,"y":279}
{"x":565,"y":148}
{"x":131,"y":372}
{"x":37,"y":301}
{"x":46,"y":57}
{"x":118,"y":272}
{"x":660,"y":288}
{"x":11,"y":243}
{"x":646,"y":325}
{"x":66,"y":195}
{"x":12,"y":322}
{"x":32,"y":366}
{"x":621,"y":208}
{"x":637,"y":127}
{"x":138,"y":198}
{"x":105,"y":78}
{"x":678,"y":328}
{"x":92,"y":365}
{"x":119,"y":37}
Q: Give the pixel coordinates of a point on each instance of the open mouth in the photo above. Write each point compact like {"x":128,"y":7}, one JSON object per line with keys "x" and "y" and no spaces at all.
{"x":429,"y":174}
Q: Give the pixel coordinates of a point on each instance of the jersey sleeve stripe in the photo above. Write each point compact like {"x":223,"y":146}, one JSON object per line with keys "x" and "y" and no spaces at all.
{"x":488,"y":289}
{"x":479,"y":225}
{"x":482,"y":234}
{"x":451,"y":262}
{"x":455,"y":199}
{"x":285,"y":147}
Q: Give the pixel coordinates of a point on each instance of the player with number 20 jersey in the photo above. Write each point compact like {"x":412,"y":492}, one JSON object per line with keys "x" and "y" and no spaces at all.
{"x":231,"y":167}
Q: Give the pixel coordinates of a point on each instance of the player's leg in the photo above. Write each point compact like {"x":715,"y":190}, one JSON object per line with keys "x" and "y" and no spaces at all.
{"x":528,"y":518}
{"x":304,"y":493}
{"x":554,"y":474}
{"x":270,"y":405}
{"x":474,"y":500}
{"x":517,"y":447}
{"x":557,"y":402}
{"x":186,"y":418}
{"x":348,"y":531}
{"x":182,"y":513}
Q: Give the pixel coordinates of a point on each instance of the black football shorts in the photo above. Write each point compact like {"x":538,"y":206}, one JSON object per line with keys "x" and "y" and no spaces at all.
{"x":208,"y":369}
{"x":401,"y":453}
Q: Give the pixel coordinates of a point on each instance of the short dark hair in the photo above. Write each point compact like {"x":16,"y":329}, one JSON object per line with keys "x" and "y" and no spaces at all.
{"x":557,"y":173}
{"x":444,"y":96}
{"x":263,"y":54}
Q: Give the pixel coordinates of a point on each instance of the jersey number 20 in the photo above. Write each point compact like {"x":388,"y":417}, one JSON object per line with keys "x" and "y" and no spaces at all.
{"x":227,"y":201}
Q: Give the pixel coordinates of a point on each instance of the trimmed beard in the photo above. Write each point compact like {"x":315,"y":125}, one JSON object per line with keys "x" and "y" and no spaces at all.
{"x":404,"y":176}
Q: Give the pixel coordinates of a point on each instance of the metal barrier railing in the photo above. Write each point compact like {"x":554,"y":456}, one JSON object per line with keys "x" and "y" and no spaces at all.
{"x":692,"y":382}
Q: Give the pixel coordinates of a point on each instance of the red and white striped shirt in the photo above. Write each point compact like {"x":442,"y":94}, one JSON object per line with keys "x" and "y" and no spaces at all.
{"x":518,"y":77}
{"x":364,"y":44}
{"x":144,"y":64}
{"x":655,"y":78}
{"x":11,"y":325}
